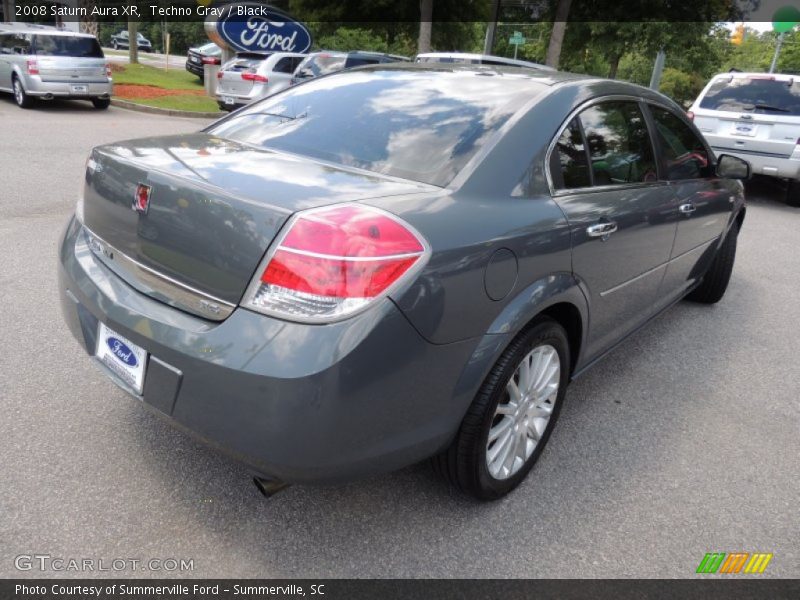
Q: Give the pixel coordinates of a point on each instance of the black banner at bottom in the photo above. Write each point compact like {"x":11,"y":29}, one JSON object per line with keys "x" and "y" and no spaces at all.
{"x":390,"y":589}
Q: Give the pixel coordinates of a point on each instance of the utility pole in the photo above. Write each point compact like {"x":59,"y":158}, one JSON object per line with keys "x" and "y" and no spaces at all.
{"x":658,"y":68}
{"x":777,"y":53}
{"x":491,"y":28}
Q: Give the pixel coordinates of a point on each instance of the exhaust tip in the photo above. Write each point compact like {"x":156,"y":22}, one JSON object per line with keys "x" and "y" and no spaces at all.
{"x":269,"y":487}
{"x":48,"y":97}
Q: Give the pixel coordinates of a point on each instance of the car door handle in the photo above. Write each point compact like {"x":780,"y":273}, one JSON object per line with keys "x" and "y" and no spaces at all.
{"x":601,"y":230}
{"x":687,"y":208}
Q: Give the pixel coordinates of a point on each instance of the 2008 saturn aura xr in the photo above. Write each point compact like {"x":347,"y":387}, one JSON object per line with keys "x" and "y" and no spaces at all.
{"x":394,"y":263}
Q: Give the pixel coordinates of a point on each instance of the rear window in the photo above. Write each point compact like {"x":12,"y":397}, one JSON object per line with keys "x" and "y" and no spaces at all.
{"x":359,"y":61}
{"x":758,"y":95}
{"x":321,"y":65}
{"x":424,"y":126}
{"x":244,"y":64}
{"x":65,"y":45}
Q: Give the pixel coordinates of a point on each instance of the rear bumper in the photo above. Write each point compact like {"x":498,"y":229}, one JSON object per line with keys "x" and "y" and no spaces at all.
{"x":764,"y":164}
{"x":301,"y":403}
{"x":34,"y":86}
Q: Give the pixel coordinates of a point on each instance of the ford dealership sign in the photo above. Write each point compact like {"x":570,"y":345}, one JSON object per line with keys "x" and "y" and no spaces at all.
{"x":255,"y":27}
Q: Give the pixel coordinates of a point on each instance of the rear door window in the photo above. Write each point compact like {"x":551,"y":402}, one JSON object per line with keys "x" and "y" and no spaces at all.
{"x":683,"y":154}
{"x":284,"y":65}
{"x":19,"y":43}
{"x":65,"y":45}
{"x":760,"y":95}
{"x":619,"y":144}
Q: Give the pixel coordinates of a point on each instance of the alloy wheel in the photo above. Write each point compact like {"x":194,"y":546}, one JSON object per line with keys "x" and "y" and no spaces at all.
{"x":523,"y":413}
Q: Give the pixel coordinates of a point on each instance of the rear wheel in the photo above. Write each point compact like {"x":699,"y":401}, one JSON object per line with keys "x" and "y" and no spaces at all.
{"x":22,"y":99}
{"x":715,"y":282}
{"x":793,"y":193}
{"x":511,"y":418}
{"x":101,"y":103}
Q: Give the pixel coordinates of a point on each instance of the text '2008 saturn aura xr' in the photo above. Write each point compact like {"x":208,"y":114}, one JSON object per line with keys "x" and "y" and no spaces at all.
{"x":394,"y":263}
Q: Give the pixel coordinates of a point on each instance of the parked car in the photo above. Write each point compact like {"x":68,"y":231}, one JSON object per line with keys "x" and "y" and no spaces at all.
{"x":47,"y":64}
{"x":323,"y":63}
{"x":398,"y":262}
{"x":198,"y":57}
{"x":250,"y":77}
{"x":755,"y":116}
{"x":463,"y":58}
{"x":121,"y":40}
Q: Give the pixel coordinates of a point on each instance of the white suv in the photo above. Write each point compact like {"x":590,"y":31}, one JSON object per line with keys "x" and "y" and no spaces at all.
{"x":755,"y":116}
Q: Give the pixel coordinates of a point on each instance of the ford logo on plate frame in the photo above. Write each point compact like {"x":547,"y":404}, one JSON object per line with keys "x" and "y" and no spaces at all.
{"x":121,"y":351}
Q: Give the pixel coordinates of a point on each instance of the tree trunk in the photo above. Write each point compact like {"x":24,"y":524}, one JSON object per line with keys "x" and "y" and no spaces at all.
{"x":557,"y":35}
{"x":133,"y":46}
{"x":614,"y":62}
{"x":425,"y":26}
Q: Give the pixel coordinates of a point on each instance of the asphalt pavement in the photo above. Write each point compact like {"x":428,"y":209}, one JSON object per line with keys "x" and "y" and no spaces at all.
{"x":685,"y":440}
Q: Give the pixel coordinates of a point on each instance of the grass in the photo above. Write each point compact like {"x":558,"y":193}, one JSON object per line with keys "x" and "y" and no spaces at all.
{"x":170,"y":79}
{"x":189,"y":103}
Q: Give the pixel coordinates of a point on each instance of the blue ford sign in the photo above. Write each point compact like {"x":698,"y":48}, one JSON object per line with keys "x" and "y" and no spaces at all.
{"x":255,"y":27}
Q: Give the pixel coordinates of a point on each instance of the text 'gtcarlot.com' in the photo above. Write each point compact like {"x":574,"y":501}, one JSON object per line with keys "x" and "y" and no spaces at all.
{"x":47,"y":562}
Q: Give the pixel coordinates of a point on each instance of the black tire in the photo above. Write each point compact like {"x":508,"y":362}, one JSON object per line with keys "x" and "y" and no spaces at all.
{"x":114,"y":45}
{"x":716,"y":279}
{"x":793,"y":193}
{"x":464,"y":463}
{"x":101,"y":103}
{"x":21,"y":97}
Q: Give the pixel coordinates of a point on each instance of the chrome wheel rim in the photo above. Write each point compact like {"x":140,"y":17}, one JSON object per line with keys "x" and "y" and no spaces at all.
{"x":17,"y":91}
{"x":524,"y":412}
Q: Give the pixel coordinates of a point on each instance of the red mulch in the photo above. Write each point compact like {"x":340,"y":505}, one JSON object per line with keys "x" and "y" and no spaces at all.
{"x":135,"y":91}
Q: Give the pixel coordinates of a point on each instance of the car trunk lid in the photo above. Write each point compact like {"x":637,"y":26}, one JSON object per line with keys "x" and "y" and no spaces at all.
{"x":71,"y":70}
{"x":214,"y":208}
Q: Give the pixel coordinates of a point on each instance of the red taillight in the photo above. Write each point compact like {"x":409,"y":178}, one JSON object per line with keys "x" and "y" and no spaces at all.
{"x":334,"y":261}
{"x":32,"y":67}
{"x":690,"y":114}
{"x":210,"y":60}
{"x":254,"y":77}
{"x":108,"y":69}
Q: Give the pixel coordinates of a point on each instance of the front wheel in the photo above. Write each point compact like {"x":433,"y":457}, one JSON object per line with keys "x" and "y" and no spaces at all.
{"x":716,"y":279}
{"x":511,"y":418}
{"x":114,"y":45}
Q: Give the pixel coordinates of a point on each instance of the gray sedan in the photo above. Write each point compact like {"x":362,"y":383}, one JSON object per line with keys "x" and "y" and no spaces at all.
{"x":394,"y":263}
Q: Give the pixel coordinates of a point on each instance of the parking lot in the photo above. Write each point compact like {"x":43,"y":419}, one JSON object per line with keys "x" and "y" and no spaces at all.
{"x":685,"y":440}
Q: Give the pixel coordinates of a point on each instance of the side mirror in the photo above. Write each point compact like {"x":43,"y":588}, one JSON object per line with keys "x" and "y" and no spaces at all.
{"x":732,"y":167}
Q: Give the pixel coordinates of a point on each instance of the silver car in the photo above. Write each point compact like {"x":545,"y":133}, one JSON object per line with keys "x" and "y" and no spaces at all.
{"x":250,"y":77}
{"x":755,"y":116}
{"x":44,"y":63}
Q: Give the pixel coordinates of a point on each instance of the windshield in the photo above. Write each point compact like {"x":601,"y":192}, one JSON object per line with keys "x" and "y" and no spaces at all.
{"x":422,"y":125}
{"x":65,"y":45}
{"x":762,"y":95}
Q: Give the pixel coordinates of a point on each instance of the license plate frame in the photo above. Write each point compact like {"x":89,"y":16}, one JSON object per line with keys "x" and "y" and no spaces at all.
{"x":228,"y":100}
{"x":79,"y":88}
{"x":126,"y":360}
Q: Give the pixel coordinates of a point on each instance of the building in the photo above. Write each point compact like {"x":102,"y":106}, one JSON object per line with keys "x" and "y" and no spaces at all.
{"x":8,"y":10}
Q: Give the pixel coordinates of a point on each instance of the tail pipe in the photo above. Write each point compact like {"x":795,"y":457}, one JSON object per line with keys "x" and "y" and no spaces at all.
{"x":269,"y":487}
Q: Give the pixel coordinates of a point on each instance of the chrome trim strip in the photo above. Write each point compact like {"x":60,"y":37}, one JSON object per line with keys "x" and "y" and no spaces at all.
{"x":158,"y":285}
{"x":350,"y":258}
{"x":637,"y":278}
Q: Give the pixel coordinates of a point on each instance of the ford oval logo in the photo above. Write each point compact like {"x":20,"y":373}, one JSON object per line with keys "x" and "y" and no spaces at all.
{"x":121,"y":350}
{"x":254,"y":27}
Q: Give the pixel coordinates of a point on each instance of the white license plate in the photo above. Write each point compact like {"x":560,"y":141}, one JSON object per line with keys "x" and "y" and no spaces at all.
{"x":745,"y":129}
{"x":228,"y":100}
{"x":79,"y":89}
{"x":124,"y":358}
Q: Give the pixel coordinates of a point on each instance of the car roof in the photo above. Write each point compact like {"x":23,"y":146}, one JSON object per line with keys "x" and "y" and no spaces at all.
{"x":758,"y":75}
{"x":534,"y":75}
{"x":492,"y":57}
